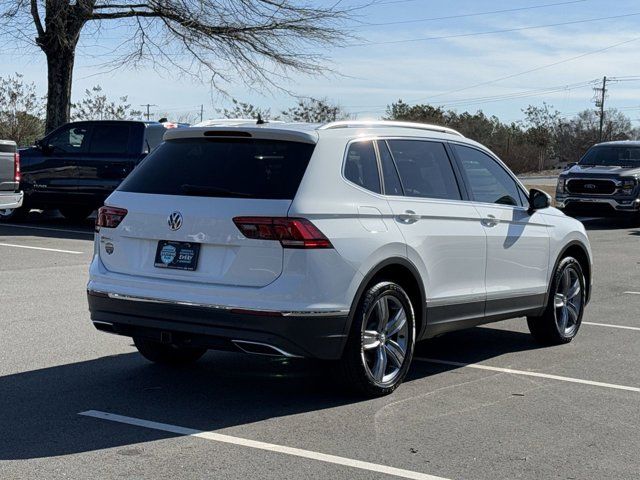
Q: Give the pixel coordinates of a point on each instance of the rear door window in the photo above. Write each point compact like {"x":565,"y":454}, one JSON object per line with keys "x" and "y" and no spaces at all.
{"x":392,"y":184}
{"x":239,"y":168}
{"x":110,"y":139}
{"x":425,"y":169}
{"x":361,"y":166}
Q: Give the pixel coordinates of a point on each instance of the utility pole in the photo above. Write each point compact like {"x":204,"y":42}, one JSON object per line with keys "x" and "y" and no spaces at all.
{"x":148,"y":107}
{"x":201,"y":112}
{"x":600,"y":95}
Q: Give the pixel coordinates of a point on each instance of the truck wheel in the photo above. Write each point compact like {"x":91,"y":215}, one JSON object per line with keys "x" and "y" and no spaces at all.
{"x":562,"y":317}
{"x":14,"y":214}
{"x":76,"y":214}
{"x":380,"y":345}
{"x":167,"y":354}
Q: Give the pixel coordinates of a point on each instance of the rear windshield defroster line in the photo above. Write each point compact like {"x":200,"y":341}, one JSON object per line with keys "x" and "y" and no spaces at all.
{"x":229,"y":167}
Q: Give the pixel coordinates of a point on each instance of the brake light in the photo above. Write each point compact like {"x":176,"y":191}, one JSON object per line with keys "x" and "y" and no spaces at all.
{"x":16,"y":167}
{"x":290,"y":232}
{"x":109,"y":217}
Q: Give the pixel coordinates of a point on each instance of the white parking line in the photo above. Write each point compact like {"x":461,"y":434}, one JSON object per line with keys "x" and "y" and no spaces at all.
{"x":530,"y":374}
{"x":632,"y":293}
{"x":50,"y":229}
{"x":624,"y":327}
{"x":73,"y":252}
{"x":270,"y":447}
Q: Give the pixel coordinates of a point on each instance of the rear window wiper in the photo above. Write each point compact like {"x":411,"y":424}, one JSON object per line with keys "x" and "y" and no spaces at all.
{"x":211,"y":191}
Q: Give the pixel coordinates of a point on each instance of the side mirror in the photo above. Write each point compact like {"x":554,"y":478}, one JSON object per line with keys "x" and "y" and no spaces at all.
{"x":538,"y":200}
{"x":570,"y":164}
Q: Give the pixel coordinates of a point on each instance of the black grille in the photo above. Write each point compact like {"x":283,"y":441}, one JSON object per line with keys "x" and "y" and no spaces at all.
{"x":598,"y":187}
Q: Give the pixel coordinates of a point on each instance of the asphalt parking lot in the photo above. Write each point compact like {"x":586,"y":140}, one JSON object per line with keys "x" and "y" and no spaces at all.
{"x":486,"y":403}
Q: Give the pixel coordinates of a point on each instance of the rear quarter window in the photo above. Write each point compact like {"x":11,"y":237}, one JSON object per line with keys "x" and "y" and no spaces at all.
{"x":234,"y":168}
{"x":361,"y":166}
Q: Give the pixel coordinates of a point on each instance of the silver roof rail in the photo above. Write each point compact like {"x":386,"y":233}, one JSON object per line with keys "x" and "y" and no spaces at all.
{"x":231,"y":122}
{"x":388,"y":124}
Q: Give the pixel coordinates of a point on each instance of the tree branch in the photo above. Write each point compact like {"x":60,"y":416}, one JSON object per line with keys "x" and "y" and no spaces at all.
{"x":36,"y":20}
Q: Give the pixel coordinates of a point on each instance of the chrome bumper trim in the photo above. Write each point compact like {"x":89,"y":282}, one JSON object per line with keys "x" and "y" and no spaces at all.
{"x":634,"y":204}
{"x":284,"y":313}
{"x":9,"y":201}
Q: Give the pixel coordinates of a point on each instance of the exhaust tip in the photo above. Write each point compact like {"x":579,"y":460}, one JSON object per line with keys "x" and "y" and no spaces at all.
{"x":258,"y":348}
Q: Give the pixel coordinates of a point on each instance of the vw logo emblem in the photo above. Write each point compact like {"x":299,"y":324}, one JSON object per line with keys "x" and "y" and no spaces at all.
{"x":175,"y":221}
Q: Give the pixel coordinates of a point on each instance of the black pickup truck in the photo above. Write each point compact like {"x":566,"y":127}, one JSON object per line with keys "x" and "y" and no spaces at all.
{"x":605,"y":181}
{"x":75,"y":167}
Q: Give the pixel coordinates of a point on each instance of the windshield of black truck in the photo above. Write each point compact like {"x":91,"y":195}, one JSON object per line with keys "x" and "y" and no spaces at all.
{"x":240,"y":168}
{"x":612,"y":156}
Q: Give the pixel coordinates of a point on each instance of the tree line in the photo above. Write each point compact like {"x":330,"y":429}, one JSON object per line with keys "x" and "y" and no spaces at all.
{"x":542,"y":139}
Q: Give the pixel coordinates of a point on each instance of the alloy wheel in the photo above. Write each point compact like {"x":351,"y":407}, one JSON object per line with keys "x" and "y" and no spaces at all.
{"x":385,"y":339}
{"x":568,"y":301}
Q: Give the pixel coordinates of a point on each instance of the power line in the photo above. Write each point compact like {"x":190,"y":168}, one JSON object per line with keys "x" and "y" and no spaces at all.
{"x":465,"y":15}
{"x":148,"y":107}
{"x":492,"y":32}
{"x":495,"y":98}
{"x":531,"y":70}
{"x":600,"y":94}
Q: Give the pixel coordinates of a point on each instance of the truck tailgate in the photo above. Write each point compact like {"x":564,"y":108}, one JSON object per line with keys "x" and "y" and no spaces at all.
{"x":8,"y":150}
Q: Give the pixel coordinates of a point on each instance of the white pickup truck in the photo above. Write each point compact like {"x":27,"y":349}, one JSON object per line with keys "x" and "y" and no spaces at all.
{"x":10,"y":194}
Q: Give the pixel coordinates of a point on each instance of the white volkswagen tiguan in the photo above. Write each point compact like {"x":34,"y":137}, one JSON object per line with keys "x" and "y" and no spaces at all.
{"x":347,"y":241}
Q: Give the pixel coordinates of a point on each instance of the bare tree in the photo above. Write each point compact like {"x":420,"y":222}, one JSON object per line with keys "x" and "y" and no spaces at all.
{"x":96,"y":106}
{"x":257,"y":40}
{"x":312,"y":110}
{"x":20,"y":111}
{"x":244,"y":110}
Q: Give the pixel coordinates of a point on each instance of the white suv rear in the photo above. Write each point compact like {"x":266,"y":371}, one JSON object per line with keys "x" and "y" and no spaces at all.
{"x":349,"y":241}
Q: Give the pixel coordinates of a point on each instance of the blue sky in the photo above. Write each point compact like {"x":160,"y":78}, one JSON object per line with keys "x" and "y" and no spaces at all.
{"x":399,"y":57}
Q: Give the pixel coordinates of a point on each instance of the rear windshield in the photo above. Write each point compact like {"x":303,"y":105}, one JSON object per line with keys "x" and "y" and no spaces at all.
{"x":8,"y":148}
{"x":242,"y":168}
{"x":612,"y":156}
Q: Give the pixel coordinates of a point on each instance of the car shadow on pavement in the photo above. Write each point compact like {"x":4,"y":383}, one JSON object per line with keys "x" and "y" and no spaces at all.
{"x":610,"y":223}
{"x":48,"y":225}
{"x":39,"y":409}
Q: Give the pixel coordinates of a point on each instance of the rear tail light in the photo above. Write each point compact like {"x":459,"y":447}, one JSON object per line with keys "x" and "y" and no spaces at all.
{"x":16,"y":167}
{"x":109,"y":217}
{"x":290,"y":232}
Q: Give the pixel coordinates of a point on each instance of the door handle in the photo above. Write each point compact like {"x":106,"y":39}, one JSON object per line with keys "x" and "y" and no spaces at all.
{"x":409,"y":216}
{"x":490,"y":221}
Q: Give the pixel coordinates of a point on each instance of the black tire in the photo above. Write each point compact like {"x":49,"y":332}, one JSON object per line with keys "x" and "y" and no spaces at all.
{"x":167,"y":354}
{"x":547,"y":329}
{"x":76,"y":214}
{"x":360,"y":357}
{"x":14,"y":214}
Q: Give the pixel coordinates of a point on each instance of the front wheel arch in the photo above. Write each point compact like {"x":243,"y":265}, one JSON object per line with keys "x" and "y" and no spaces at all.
{"x":577,"y":250}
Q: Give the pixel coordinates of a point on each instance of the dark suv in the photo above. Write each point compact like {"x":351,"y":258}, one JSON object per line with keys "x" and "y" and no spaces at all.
{"x":604,"y":181}
{"x":77,"y":166}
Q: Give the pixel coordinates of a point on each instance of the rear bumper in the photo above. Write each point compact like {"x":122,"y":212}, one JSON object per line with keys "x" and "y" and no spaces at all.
{"x":597,"y":204}
{"x":11,"y":200}
{"x":293,"y":334}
